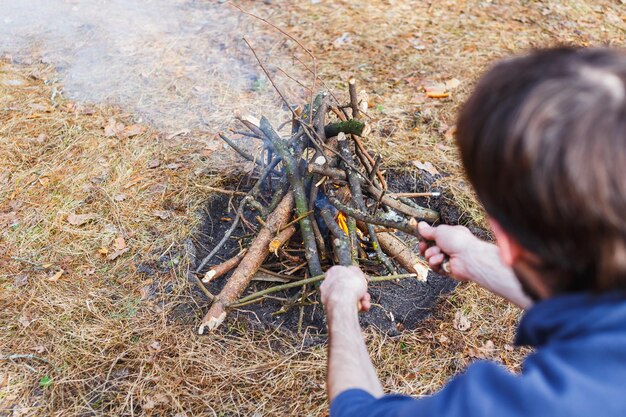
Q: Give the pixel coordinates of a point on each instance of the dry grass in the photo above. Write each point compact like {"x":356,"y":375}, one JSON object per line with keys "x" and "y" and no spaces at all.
{"x":105,"y":328}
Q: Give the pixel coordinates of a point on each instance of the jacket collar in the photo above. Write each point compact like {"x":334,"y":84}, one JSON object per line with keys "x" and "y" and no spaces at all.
{"x":571,"y":316}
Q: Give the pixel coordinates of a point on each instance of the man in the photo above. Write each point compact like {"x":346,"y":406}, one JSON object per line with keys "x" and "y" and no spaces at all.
{"x":543,"y":142}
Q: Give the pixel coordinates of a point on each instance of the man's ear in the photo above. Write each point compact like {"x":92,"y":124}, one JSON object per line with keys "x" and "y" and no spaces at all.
{"x":510,"y":250}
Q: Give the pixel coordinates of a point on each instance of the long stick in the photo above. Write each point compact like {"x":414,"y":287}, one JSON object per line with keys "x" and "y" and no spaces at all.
{"x":299,"y":194}
{"x":341,"y":242}
{"x":259,"y":295}
{"x":255,"y":256}
{"x":357,"y":195}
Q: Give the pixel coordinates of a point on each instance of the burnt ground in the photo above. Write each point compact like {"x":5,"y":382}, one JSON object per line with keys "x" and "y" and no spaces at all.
{"x":397,"y":305}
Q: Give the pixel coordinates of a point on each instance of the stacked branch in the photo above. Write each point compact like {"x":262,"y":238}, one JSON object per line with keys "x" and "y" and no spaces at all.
{"x":318,"y":200}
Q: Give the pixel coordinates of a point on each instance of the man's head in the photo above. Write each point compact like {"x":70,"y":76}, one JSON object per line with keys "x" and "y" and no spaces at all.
{"x":543,"y":141}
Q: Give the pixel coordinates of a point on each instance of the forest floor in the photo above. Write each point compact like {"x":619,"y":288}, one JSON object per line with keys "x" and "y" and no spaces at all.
{"x":96,"y":212}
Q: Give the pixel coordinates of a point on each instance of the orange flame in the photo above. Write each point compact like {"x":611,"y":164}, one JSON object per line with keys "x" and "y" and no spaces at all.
{"x":341,"y":221}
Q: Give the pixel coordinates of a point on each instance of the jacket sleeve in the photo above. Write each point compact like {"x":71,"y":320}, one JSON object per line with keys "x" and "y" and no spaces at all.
{"x":484,"y":390}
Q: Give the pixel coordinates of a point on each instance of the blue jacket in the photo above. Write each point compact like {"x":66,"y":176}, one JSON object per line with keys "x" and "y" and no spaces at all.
{"x":578,"y":369}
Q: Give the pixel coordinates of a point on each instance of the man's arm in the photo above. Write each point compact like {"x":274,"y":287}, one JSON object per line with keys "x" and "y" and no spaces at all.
{"x":349,"y":364}
{"x":472,"y":259}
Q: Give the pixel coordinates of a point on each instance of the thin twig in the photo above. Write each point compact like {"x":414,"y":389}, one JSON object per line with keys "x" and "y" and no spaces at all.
{"x":318,"y":278}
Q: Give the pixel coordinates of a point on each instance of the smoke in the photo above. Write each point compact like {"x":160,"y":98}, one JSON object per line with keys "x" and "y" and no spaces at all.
{"x":178,"y":63}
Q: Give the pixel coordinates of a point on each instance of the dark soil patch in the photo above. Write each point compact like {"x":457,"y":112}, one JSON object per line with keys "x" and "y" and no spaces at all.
{"x":397,"y":305}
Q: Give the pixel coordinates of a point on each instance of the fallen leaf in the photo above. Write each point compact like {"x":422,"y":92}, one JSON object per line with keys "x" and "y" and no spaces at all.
{"x":25,"y":320}
{"x":153,"y":163}
{"x":80,"y":219}
{"x":426,"y":166}
{"x":56,"y":276}
{"x":178,"y":133}
{"x":149,"y":404}
{"x":113,"y":127}
{"x":4,"y":381}
{"x":344,"y":39}
{"x":452,"y":84}
{"x":161,"y":398}
{"x":162,"y":214}
{"x":132,"y":182}
{"x":103,"y":251}
{"x":20,"y":281}
{"x":133,"y":130}
{"x":113,"y":256}
{"x":461,"y":322}
{"x":436,"y":90}
{"x":119,"y":243}
{"x":450,"y":133}
{"x":146,"y":292}
{"x":156,"y":345}
{"x":8,"y":220}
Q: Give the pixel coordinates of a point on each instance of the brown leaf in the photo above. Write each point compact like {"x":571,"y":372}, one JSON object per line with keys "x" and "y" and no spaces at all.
{"x":25,"y":320}
{"x":179,"y":133}
{"x":452,"y":84}
{"x":133,"y":130}
{"x":461,"y":322}
{"x":80,"y":219}
{"x":113,"y":256}
{"x":132,"y":182}
{"x":20,"y":281}
{"x":436,"y":90}
{"x":8,"y":220}
{"x":162,"y":214}
{"x":153,"y":163}
{"x":426,"y":166}
{"x":149,"y":403}
{"x":56,"y":276}
{"x":112,"y":128}
{"x":119,"y":243}
{"x":146,"y":292}
{"x":4,"y":381}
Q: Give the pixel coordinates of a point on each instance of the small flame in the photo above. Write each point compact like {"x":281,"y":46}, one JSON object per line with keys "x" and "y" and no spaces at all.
{"x":341,"y":221}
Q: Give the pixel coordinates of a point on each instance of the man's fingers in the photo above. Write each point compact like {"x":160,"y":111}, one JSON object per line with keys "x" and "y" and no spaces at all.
{"x":427,"y":232}
{"x":366,"y":302}
{"x":422,"y":247}
{"x":432,"y":251}
{"x":436,"y":260}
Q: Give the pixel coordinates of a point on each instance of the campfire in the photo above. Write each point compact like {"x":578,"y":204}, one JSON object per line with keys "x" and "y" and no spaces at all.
{"x":319,"y":199}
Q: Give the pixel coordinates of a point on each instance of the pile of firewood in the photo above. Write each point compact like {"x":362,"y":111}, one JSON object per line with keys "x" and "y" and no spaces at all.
{"x":320,"y":199}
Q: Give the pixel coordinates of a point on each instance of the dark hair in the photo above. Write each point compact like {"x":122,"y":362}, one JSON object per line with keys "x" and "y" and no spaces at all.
{"x":543,"y":142}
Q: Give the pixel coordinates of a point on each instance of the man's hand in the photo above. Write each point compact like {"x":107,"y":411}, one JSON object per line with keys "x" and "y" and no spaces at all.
{"x":455,"y":241}
{"x":345,"y":285}
{"x":472,"y":259}
{"x":349,"y":364}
